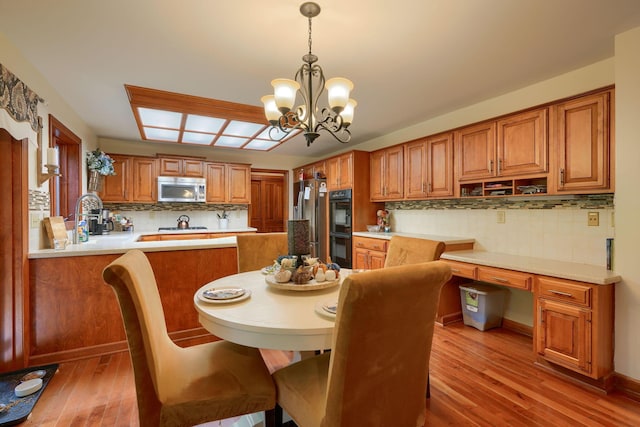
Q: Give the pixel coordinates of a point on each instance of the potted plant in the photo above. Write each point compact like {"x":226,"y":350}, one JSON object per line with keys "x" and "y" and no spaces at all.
{"x":223,"y":220}
{"x":99,"y":165}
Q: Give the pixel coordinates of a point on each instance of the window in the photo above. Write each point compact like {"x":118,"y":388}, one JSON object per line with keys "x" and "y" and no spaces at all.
{"x":67,"y":188}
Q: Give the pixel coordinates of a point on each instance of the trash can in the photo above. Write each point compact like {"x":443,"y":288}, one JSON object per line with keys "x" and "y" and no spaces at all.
{"x":482,"y":305}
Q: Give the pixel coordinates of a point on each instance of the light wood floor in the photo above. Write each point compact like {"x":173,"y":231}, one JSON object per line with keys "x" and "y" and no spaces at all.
{"x":477,"y":379}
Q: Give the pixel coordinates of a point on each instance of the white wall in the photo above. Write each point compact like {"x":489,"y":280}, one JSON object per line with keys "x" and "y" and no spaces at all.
{"x":627,"y":202}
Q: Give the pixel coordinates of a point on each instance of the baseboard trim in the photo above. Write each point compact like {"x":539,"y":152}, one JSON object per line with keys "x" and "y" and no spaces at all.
{"x":519,"y":328}
{"x":628,"y":386}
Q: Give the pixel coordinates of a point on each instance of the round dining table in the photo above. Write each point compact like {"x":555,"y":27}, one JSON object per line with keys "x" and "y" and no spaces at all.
{"x":269,"y":317}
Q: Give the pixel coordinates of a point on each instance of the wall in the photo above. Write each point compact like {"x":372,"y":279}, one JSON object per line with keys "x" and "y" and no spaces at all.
{"x":626,"y":259}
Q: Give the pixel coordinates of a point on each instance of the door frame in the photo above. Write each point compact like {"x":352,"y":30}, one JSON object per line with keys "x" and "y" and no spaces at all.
{"x":285,"y":196}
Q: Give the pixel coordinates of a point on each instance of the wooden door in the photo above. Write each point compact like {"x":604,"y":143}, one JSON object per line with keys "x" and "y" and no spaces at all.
{"x":144,"y":180}
{"x":345,"y":171}
{"x":192,"y":168}
{"x":582,"y":143}
{"x":332,"y":171}
{"x":14,"y":240}
{"x":523,"y":144}
{"x":476,"y":151}
{"x":394,"y":173}
{"x":170,"y":167}
{"x":268,"y":210}
{"x":116,"y":187}
{"x":376,"y":175}
{"x":439,"y":171}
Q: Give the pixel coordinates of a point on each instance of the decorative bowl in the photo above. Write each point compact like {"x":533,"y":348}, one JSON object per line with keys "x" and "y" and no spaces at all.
{"x":373,"y":228}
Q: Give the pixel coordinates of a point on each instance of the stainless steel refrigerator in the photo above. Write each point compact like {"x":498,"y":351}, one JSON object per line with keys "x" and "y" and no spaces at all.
{"x":310,"y":202}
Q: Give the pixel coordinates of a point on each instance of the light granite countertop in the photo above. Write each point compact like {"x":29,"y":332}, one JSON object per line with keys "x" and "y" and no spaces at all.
{"x":449,"y":240}
{"x":547,"y":267}
{"x":121,"y":242}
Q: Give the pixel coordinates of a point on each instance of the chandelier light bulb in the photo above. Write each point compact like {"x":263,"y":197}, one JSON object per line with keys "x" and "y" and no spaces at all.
{"x":270,"y":108}
{"x":284,"y":91}
{"x":338,"y":89}
{"x":347,"y":113}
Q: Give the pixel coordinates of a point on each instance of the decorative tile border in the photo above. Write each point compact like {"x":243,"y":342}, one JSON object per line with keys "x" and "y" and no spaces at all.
{"x":39,"y":200}
{"x":590,"y":201}
{"x":173,"y":207}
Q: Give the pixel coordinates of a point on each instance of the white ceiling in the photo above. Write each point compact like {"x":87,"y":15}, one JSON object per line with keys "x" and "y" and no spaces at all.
{"x":410,"y":60}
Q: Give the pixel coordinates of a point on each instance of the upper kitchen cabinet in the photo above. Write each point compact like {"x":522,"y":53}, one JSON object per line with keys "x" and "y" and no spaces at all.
{"x":134,"y":182}
{"x":582,"y":138}
{"x":178,"y":166}
{"x":339,"y":171}
{"x":514,"y":145}
{"x":228,"y":183}
{"x":429,"y":167}
{"x":386,"y":174}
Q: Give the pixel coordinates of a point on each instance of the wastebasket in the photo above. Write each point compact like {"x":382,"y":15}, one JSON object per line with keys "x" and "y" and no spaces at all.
{"x":482,"y":305}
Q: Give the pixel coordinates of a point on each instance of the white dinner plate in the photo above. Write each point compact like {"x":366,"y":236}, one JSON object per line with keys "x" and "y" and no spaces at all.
{"x":327,"y":308}
{"x":224,"y":295}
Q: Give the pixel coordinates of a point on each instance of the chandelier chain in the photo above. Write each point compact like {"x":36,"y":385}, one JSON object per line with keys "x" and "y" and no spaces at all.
{"x":310,"y":36}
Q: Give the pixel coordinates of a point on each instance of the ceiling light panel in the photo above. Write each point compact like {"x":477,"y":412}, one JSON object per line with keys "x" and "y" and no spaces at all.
{"x":161,"y":134}
{"x":231,"y":142}
{"x":203,"y":124}
{"x":160,"y":118}
{"x":246,"y":129}
{"x":197,"y":138}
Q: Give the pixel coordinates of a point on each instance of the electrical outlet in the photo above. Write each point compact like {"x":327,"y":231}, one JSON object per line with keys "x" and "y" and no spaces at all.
{"x":500,"y":217}
{"x":593,"y":219}
{"x":35,"y":220}
{"x":613,"y":219}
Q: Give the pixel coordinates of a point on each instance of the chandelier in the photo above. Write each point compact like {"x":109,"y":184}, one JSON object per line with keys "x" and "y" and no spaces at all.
{"x":310,"y":82}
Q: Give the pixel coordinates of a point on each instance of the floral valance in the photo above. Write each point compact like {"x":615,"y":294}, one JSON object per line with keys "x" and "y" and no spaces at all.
{"x":20,"y":102}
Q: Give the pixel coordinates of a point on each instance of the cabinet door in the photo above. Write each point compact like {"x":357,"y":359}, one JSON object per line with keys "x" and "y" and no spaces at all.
{"x":333,"y":173}
{"x":582,"y":143}
{"x":239,"y":179}
{"x":116,"y":187}
{"x":522,"y":144}
{"x":376,"y":259}
{"x":376,"y":173}
{"x":192,"y":168}
{"x":476,"y":151}
{"x":144,"y":180}
{"x":216,"y":182}
{"x":394,"y":172}
{"x":345,"y":171}
{"x":439,"y":171}
{"x":564,"y":335}
{"x":170,"y":167}
{"x":360,"y":259}
{"x":415,"y":177}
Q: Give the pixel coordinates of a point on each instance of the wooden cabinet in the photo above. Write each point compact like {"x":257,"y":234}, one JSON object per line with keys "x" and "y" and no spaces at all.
{"x":369,"y":253}
{"x":574,"y":325}
{"x":429,"y":167}
{"x":134,"y":182}
{"x":514,"y":145}
{"x":175,"y":166}
{"x":581,"y":136}
{"x":228,"y":183}
{"x":339,"y":171}
{"x":509,"y":278}
{"x":386,"y":174}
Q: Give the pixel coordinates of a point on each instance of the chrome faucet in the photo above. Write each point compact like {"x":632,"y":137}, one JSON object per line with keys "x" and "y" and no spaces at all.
{"x":79,"y":214}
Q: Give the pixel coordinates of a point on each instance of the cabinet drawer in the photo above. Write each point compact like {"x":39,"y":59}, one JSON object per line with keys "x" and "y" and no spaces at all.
{"x":559,"y":290}
{"x":513,"y":279}
{"x":462,"y":269}
{"x":370,"y":243}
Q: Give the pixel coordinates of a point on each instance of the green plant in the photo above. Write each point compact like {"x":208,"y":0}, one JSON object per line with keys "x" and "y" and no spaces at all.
{"x":100,"y":162}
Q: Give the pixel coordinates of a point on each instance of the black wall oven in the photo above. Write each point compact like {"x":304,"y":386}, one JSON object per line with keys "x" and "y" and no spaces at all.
{"x":340,"y":205}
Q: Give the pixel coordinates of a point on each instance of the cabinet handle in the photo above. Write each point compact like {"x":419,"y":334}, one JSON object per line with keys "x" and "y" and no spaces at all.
{"x":429,"y":186}
{"x":500,"y":279}
{"x":561,"y":176}
{"x":499,"y":166}
{"x":455,"y":270}
{"x":563,"y":294}
{"x":490,"y":166}
{"x":423,"y":186}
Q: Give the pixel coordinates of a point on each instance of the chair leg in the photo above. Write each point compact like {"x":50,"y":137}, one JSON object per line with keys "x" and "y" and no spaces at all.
{"x":273,"y":417}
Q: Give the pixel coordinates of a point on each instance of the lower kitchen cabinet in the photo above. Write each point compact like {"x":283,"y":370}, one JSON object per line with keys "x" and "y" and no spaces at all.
{"x":574,"y":325}
{"x":369,"y":254}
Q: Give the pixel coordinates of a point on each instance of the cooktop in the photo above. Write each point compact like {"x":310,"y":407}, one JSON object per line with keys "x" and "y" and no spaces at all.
{"x":180,"y":229}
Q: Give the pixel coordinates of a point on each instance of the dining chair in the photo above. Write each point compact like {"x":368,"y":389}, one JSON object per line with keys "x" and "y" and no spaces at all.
{"x":411,"y":250}
{"x":178,"y":386}
{"x":259,"y":250}
{"x":376,"y":372}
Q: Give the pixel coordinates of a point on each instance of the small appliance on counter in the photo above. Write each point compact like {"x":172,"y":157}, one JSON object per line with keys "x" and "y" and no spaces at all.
{"x":100,"y":222}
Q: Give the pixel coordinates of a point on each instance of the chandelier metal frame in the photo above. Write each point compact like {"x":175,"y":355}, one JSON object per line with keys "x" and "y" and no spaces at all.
{"x":306,"y":117}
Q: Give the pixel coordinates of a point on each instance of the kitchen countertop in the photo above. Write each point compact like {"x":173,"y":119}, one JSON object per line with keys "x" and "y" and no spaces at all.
{"x":121,"y":242}
{"x":547,"y":267}
{"x":448,"y":240}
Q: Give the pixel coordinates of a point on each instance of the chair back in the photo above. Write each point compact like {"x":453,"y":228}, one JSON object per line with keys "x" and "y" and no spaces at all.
{"x":259,"y":250}
{"x":411,"y":250}
{"x":379,"y":361}
{"x":134,"y":283}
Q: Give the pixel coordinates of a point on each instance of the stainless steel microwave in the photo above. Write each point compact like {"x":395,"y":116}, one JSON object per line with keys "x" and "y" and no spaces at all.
{"x":181,"y":189}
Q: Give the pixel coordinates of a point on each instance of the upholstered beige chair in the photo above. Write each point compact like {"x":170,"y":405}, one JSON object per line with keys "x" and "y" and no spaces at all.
{"x":376,"y":373}
{"x":260,"y":250}
{"x":178,"y":386}
{"x":410,"y":250}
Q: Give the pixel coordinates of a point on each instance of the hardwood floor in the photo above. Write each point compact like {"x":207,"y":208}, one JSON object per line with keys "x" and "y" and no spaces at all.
{"x":477,"y":379}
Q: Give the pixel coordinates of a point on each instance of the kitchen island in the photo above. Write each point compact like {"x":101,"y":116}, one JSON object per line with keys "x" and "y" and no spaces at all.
{"x":73,"y":314}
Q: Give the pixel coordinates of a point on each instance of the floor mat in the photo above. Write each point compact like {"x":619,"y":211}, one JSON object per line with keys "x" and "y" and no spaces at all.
{"x":17,"y":409}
